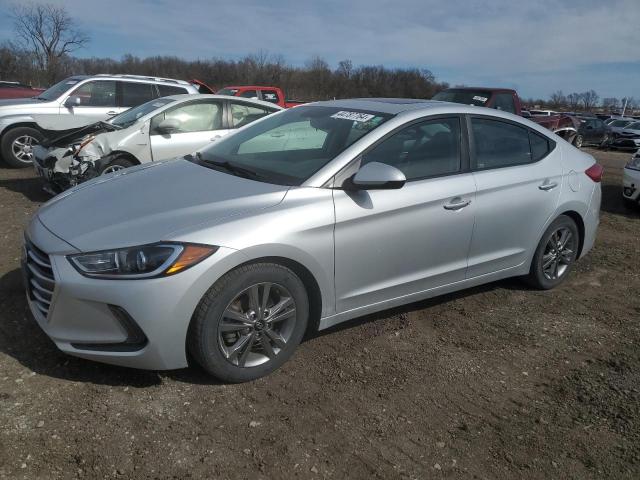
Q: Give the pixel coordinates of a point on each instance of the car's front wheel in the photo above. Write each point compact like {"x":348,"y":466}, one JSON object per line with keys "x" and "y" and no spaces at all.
{"x":249,"y":322}
{"x":578,"y":141}
{"x":555,"y":254}
{"x":17,"y":146}
{"x":115,"y":165}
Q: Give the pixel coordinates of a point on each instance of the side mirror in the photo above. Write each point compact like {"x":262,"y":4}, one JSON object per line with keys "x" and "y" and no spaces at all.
{"x":72,"y":101}
{"x":378,"y":176}
{"x":169,"y":125}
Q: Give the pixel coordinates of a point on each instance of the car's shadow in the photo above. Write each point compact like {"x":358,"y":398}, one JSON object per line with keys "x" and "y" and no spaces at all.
{"x":612,"y":202}
{"x":31,"y":188}
{"x":22,"y":339}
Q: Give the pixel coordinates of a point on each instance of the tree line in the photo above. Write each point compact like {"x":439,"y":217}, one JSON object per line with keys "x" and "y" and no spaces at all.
{"x":585,"y":102}
{"x":316,"y":80}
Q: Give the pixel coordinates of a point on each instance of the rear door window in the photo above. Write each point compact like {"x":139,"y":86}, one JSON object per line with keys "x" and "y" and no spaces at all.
{"x":166,"y":90}
{"x":242,"y":114}
{"x":499,"y":144}
{"x":134,"y":94}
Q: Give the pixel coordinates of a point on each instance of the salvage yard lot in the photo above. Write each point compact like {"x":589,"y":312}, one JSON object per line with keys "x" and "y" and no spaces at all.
{"x":495,"y":382}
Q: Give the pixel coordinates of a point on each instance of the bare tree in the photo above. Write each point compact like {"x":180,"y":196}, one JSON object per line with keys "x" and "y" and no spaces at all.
{"x":48,"y":32}
{"x":610,"y":103}
{"x":573,"y":100}
{"x":589,"y":99}
{"x":557,"y":99}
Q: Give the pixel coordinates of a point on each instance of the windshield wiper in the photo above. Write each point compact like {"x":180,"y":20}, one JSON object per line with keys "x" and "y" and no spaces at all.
{"x":229,"y":167}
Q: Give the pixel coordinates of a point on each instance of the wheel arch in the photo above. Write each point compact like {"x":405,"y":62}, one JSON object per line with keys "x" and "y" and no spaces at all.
{"x":22,"y":124}
{"x":122,"y":154}
{"x":577,"y":218}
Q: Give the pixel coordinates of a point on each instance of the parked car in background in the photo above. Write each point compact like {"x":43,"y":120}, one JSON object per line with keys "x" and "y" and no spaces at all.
{"x":592,"y":131}
{"x":631,"y":181}
{"x":231,"y":256}
{"x":628,"y":138}
{"x":18,"y":90}
{"x":543,"y":113}
{"x":507,"y":100}
{"x":616,"y":126}
{"x":610,"y":120}
{"x":74,"y":102}
{"x":163,"y":128}
{"x":267,"y":94}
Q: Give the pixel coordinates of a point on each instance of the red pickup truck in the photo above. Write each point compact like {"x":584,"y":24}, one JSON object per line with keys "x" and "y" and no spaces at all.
{"x":507,"y":100}
{"x":18,"y":90}
{"x":268,"y":94}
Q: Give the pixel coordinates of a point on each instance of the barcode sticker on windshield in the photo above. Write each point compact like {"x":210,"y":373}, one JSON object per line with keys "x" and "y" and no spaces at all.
{"x":353,"y":116}
{"x":480,"y":99}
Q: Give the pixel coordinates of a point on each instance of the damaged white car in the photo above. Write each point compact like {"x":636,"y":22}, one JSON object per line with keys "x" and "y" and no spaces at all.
{"x":163,"y":128}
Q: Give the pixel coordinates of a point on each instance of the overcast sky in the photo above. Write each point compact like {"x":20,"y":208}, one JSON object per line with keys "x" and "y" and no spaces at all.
{"x":535,"y":46}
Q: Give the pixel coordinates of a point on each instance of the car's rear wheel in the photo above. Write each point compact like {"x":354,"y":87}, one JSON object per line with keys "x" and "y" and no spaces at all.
{"x":578,"y":141}
{"x":605,"y":141}
{"x":250,"y":322}
{"x":17,"y":146}
{"x":115,"y":165}
{"x":555,"y":254}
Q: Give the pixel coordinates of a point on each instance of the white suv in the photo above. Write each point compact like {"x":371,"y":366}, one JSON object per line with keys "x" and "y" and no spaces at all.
{"x":73,"y":103}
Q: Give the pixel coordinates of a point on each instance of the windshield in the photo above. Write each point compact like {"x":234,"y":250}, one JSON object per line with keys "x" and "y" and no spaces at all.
{"x":227,"y":91}
{"x":131,"y":116}
{"x":288,"y":147}
{"x":467,"y":97}
{"x":620,"y":123}
{"x":633,"y":126}
{"x":53,"y":93}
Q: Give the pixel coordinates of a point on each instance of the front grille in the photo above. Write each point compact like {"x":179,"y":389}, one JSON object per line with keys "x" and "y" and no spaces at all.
{"x":39,"y":277}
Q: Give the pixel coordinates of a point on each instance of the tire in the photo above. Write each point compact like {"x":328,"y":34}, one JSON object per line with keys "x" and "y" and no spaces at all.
{"x":630,"y":204}
{"x":17,"y":144}
{"x":223,"y":321}
{"x":578,"y":141}
{"x":118,"y":163}
{"x":544,"y":276}
{"x":605,"y":141}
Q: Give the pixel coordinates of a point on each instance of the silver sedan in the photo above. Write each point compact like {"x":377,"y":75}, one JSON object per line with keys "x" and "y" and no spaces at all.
{"x":302,"y":220}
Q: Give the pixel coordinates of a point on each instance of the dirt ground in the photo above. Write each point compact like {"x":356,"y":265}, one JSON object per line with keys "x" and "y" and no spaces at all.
{"x":498,"y":382}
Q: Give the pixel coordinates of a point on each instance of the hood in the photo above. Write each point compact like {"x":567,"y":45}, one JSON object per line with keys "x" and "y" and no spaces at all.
{"x":67,"y":137}
{"x":146,"y":204}
{"x":10,"y":102}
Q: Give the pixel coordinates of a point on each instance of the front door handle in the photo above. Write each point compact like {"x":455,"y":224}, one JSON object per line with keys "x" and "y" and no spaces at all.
{"x":457,"y":204}
{"x":548,"y":186}
{"x":112,"y":113}
{"x":216,"y":138}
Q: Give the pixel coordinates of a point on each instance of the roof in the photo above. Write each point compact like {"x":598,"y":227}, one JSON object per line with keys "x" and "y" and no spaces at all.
{"x":186,"y":96}
{"x":483,"y":89}
{"x":142,"y":77}
{"x":383,"y":105}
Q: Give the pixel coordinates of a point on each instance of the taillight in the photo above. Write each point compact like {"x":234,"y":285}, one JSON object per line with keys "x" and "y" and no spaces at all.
{"x":594,"y":172}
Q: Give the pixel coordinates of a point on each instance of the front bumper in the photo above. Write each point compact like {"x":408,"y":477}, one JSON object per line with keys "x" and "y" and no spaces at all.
{"x":631,"y":184}
{"x":85,"y":317}
{"x":626,"y":143}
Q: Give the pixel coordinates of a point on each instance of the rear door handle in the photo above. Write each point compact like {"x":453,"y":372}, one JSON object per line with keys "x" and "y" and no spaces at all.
{"x":112,"y":113}
{"x":457,"y":205}
{"x":548,"y":186}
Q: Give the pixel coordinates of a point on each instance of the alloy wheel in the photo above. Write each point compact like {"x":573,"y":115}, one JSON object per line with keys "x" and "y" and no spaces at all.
{"x":257,"y":324}
{"x":578,"y":142}
{"x":559,"y":253}
{"x":112,"y":168}
{"x":22,"y":148}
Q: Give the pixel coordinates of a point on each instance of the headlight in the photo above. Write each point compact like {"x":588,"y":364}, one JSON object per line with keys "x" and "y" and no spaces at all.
{"x":634,"y":164}
{"x":146,"y":261}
